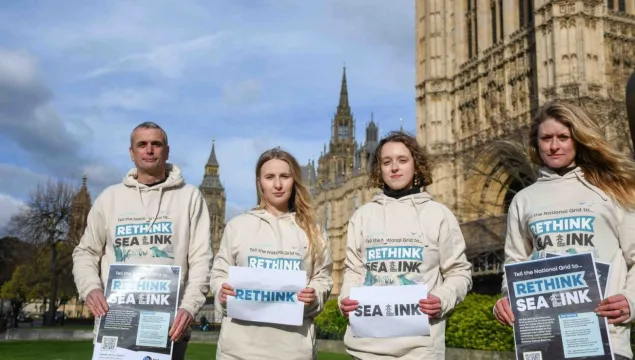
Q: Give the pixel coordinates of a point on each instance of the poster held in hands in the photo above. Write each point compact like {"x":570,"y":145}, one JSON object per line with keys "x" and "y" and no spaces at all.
{"x":142,"y":301}
{"x":553,"y":301}
{"x":266,"y":295}
{"x":388,"y":311}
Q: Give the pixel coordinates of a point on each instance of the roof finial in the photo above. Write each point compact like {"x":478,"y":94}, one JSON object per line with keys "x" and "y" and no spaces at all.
{"x":400,"y":124}
{"x":84,"y":178}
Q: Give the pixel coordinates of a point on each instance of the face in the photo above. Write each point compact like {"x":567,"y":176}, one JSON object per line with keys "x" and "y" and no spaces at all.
{"x":555,"y":144}
{"x":397,"y":166}
{"x":148,"y":151}
{"x":276,"y":183}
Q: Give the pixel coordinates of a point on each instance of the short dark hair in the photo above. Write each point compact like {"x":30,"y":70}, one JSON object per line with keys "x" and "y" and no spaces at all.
{"x":150,"y":125}
{"x":423,"y":168}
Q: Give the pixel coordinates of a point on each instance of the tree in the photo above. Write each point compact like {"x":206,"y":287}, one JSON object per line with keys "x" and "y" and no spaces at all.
{"x":44,"y":221}
{"x":30,"y":281}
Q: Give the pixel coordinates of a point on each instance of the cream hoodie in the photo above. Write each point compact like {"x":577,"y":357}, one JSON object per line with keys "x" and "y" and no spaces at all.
{"x":412,"y":220}
{"x":568,"y":214}
{"x":259,"y":234}
{"x":132,"y":223}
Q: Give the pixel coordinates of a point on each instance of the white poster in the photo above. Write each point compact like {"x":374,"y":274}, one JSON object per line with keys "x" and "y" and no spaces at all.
{"x":266,"y":295}
{"x":389,"y":311}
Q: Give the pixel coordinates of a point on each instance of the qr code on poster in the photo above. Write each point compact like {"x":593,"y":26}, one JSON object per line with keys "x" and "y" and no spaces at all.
{"x":109,"y":343}
{"x":532,"y":355}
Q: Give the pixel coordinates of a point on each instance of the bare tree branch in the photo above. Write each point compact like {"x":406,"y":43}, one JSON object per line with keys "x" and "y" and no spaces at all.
{"x":44,"y":220}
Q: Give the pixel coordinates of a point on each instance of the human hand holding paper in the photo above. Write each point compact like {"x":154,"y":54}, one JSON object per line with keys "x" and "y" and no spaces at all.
{"x":347,"y":305}
{"x":226,"y":290}
{"x":97,"y":303}
{"x":307,"y":296}
{"x":182,"y":321}
{"x":615,"y":308}
{"x":430,"y":306}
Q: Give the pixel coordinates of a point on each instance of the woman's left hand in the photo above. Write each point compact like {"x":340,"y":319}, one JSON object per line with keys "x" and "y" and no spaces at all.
{"x":430,"y":306}
{"x":307,"y":296}
{"x":615,"y":308}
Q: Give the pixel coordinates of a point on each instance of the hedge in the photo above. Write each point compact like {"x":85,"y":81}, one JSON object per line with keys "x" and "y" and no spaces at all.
{"x":472,"y":326}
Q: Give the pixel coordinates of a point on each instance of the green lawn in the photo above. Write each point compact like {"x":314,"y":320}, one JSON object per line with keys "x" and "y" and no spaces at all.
{"x":82,"y":350}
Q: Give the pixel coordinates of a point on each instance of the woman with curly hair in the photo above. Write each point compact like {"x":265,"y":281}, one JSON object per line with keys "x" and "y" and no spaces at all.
{"x":404,"y":215}
{"x":586,"y":189}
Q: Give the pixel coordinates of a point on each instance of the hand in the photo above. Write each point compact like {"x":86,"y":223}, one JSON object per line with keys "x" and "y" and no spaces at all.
{"x":225,"y":291}
{"x":615,"y":308}
{"x":307,"y":296}
{"x":430,"y":306}
{"x":347,"y":305}
{"x":97,"y":302}
{"x":181,"y":322}
{"x":503,"y":312}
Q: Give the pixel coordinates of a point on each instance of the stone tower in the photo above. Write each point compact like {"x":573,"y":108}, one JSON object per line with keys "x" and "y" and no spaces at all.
{"x":80,"y":207}
{"x":484,"y":66}
{"x":336,"y":164}
{"x":214,"y":195}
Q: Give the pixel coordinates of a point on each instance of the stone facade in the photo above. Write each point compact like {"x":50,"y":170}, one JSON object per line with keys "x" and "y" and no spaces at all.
{"x":214,"y":194}
{"x":481,"y":75}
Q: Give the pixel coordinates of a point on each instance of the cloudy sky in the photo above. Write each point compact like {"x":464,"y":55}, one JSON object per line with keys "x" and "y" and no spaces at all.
{"x":77,"y":76}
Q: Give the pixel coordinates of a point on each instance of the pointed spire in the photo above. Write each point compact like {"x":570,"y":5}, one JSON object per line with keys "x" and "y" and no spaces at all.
{"x":343,"y":92}
{"x":212,"y":161}
{"x":400,"y":124}
{"x":84,"y":179}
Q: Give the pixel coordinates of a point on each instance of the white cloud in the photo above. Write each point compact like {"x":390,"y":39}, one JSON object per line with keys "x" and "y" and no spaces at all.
{"x":8,"y":207}
{"x":17,"y":69}
{"x":130,"y":98}
{"x":244,"y":92}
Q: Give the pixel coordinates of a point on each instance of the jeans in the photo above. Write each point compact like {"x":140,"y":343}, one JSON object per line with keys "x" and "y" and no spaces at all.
{"x":179,"y":349}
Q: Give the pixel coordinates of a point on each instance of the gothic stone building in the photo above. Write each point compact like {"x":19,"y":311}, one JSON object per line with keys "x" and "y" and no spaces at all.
{"x":214,"y":194}
{"x":482,"y":69}
{"x":339,"y":184}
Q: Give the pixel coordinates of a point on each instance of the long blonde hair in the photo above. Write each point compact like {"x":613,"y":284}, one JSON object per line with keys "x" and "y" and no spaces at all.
{"x":603,"y":165}
{"x":300,"y":200}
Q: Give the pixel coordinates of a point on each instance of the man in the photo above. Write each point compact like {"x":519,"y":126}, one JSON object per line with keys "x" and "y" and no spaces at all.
{"x":153,"y":191}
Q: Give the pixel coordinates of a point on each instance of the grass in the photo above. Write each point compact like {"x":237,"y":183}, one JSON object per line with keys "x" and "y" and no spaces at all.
{"x":82,"y":350}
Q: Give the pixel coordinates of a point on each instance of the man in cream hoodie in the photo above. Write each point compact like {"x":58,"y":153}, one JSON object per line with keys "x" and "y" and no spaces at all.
{"x":154,"y":191}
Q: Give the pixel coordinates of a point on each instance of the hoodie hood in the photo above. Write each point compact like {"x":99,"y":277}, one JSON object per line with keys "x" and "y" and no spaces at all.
{"x":175,"y":178}
{"x":549,"y":176}
{"x":285,"y":229}
{"x":147,"y":196}
{"x":412,"y":201}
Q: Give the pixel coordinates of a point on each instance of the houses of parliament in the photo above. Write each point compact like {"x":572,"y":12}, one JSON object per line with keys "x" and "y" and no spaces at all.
{"x":482,"y":67}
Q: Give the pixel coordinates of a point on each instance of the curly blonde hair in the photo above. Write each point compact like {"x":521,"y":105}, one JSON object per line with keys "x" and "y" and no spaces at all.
{"x":423,"y":168}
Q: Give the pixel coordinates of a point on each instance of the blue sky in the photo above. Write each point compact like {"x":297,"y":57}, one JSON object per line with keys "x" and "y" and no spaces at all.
{"x":75,"y":79}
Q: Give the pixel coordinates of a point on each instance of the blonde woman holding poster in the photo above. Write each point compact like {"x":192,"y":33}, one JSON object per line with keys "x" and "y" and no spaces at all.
{"x":283,"y":223}
{"x":404,"y":216}
{"x":586,"y":189}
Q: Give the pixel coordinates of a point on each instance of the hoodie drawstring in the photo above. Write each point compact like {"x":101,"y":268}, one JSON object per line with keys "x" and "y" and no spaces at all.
{"x":151,"y":219}
{"x":414,"y":205}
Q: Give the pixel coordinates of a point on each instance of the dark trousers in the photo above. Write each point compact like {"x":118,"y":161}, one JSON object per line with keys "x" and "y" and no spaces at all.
{"x":620,"y":357}
{"x":178,"y":350}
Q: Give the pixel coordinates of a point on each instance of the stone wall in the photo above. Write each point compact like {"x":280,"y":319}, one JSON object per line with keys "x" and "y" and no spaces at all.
{"x":331,"y":346}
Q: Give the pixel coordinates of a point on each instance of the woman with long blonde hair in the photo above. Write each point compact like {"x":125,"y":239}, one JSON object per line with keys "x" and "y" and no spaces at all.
{"x":281,"y":232}
{"x":581,"y":174}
